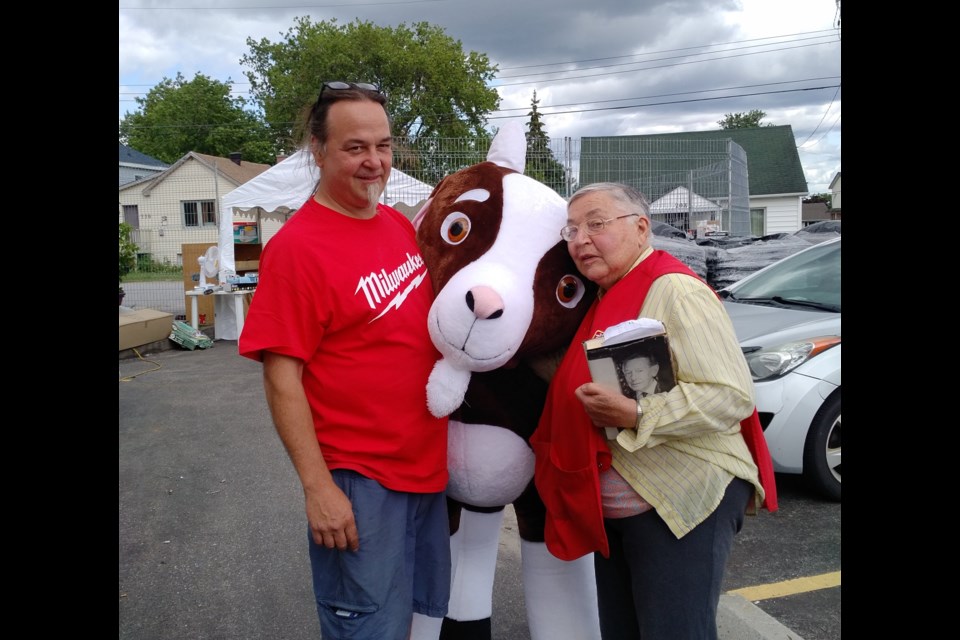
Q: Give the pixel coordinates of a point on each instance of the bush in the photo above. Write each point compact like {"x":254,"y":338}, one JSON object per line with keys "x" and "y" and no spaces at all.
{"x":146,"y":264}
{"x":128,"y":250}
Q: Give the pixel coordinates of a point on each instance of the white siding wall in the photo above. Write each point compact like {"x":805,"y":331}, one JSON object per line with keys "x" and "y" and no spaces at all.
{"x":835,"y":200}
{"x":162,"y":238}
{"x":783,"y":213}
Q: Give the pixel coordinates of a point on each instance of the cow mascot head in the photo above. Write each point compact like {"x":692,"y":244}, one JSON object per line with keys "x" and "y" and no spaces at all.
{"x":508,"y":301}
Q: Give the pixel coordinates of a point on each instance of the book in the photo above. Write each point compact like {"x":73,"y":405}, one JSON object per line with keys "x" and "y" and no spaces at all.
{"x":633,"y":357}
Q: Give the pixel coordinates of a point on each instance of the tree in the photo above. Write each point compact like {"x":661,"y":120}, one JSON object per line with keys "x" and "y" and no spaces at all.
{"x":435,"y":89}
{"x":128,"y":251}
{"x":748,"y":120}
{"x":826,"y":198}
{"x":541,"y":165}
{"x":178,"y":116}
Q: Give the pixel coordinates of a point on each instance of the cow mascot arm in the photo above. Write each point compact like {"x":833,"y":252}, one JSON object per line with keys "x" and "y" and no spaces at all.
{"x":508,"y":296}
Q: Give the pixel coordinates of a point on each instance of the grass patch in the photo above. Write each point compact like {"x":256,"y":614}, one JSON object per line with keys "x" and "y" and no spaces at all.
{"x":154,"y":276}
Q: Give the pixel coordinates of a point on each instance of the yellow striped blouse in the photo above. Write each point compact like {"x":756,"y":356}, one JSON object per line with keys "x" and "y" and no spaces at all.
{"x":688,"y":447}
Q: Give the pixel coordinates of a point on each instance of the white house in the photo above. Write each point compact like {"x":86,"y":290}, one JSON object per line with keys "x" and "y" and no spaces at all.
{"x":181,"y":204}
{"x":835,"y":190}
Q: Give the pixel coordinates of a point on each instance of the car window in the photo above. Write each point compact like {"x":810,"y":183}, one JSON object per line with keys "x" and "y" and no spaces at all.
{"x":811,"y":276}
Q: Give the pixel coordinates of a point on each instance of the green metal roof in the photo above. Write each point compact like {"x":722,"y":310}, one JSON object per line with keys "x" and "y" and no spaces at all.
{"x":773,"y":162}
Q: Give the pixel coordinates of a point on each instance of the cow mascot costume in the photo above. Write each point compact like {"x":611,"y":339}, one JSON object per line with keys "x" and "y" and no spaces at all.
{"x":508,"y":297}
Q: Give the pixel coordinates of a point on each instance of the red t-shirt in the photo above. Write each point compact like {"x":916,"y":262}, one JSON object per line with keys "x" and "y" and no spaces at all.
{"x":350,"y":298}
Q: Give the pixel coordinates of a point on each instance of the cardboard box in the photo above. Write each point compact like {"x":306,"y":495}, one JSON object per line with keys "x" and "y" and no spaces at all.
{"x":144,"y":326}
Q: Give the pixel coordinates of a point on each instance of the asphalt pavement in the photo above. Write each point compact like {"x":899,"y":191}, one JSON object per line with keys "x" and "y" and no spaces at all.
{"x":212,"y":540}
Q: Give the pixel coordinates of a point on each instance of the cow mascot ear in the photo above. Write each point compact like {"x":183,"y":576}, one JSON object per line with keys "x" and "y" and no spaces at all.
{"x":508,"y":299}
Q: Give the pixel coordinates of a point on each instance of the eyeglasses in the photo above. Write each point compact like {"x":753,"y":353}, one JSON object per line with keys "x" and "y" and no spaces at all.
{"x":594,"y":225}
{"x":338,"y":85}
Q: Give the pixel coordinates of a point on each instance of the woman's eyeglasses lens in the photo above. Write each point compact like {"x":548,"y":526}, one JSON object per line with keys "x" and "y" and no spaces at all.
{"x":594,"y":225}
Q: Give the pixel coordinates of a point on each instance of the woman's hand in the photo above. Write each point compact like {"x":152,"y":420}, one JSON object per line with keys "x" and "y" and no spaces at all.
{"x":606,"y":407}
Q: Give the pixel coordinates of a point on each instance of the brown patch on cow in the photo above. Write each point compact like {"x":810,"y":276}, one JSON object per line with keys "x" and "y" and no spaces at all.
{"x":553,"y":323}
{"x":442,"y":259}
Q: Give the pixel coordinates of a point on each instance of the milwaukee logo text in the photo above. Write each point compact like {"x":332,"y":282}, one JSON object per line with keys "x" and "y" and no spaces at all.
{"x":378,"y":287}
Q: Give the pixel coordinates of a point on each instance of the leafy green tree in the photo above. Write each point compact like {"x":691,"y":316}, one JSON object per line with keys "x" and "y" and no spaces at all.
{"x":178,"y":116}
{"x":749,"y":120}
{"x":432,"y":158}
{"x":541,"y":165}
{"x":436,"y":90}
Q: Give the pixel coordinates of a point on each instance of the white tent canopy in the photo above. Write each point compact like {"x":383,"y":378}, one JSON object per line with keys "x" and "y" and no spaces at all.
{"x":285,"y":186}
{"x":678,"y":201}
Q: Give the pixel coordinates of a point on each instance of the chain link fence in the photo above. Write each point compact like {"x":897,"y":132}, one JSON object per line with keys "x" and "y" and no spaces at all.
{"x":697,"y":186}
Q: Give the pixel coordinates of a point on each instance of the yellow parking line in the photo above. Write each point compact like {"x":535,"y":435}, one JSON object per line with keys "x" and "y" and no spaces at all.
{"x":789,"y":587}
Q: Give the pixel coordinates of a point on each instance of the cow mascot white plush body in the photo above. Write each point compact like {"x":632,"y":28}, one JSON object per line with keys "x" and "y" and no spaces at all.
{"x":508,"y":297}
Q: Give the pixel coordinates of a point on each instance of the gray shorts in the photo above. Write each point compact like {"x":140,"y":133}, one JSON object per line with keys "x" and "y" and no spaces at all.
{"x":402,"y":566}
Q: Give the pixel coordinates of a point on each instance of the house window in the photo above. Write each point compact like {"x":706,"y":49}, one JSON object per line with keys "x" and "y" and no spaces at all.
{"x":131,"y":215}
{"x":757,"y":220}
{"x":199,"y":213}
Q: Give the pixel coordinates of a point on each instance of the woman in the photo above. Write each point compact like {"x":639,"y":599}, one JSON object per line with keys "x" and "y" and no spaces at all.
{"x":662,"y":502}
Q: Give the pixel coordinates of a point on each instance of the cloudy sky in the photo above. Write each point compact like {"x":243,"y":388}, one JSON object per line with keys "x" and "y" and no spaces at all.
{"x":599,"y":67}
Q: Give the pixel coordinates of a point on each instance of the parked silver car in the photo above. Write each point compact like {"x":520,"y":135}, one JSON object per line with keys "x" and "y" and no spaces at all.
{"x":787,"y":319}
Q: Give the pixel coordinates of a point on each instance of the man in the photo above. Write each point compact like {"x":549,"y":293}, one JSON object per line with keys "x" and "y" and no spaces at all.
{"x":339,"y":322}
{"x":640,"y":374}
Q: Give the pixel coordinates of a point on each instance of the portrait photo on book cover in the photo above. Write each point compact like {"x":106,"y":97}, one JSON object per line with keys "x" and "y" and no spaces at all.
{"x":644,"y":368}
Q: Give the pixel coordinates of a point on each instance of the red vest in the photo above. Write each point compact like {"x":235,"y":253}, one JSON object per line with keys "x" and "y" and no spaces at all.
{"x":567,"y":472}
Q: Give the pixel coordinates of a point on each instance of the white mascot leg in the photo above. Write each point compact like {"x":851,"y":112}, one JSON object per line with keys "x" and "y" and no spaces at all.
{"x":473,"y":553}
{"x":425,"y":627}
{"x":561,"y":596}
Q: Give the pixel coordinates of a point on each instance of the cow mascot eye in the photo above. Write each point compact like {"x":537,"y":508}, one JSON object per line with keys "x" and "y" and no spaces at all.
{"x":570,"y":290}
{"x":455,"y":228}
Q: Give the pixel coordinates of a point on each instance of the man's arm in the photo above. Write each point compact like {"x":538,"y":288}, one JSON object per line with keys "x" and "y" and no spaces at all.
{"x":329,"y":511}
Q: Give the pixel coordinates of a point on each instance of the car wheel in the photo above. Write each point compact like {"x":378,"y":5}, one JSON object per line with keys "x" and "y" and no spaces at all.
{"x":821,"y":453}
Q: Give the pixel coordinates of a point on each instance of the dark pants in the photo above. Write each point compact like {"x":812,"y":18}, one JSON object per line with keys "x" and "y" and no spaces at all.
{"x":657,"y":587}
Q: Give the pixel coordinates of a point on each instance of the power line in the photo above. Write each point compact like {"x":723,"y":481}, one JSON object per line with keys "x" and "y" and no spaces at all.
{"x":679,"y":93}
{"x":665,"y":95}
{"x":652,"y":53}
{"x":706,"y":53}
{"x":821,"y":118}
{"x":597,"y":75}
{"x":825,"y":133}
{"x":553,"y":113}
{"x":623,"y":71}
{"x":663,"y":66}
{"x":659,"y":104}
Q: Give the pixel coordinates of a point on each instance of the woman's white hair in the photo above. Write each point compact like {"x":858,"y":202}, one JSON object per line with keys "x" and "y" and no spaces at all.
{"x":632,"y":200}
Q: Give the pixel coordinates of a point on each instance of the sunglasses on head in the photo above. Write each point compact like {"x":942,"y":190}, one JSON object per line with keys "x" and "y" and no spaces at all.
{"x":338,"y":85}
